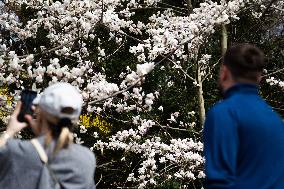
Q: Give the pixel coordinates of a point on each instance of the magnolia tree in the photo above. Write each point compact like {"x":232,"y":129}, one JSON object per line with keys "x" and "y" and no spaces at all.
{"x":76,"y":41}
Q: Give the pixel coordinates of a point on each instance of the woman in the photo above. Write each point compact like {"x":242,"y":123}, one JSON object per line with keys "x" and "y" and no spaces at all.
{"x":51,"y":160}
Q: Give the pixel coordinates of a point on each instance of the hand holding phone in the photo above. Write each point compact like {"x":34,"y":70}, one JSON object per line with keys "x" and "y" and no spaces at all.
{"x":14,"y":126}
{"x":27,"y":97}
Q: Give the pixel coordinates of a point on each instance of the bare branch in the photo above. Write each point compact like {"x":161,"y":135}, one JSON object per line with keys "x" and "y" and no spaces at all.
{"x":272,"y":73}
{"x":277,"y":8}
{"x":46,"y":52}
{"x":181,"y":69}
{"x":275,"y":72}
{"x":99,"y":180}
{"x":211,"y":70}
{"x":111,"y":117}
{"x":107,"y":57}
{"x":102,"y":15}
{"x":174,"y":7}
{"x":166,"y":167}
{"x":158,"y":8}
{"x":105,"y":164}
{"x":279,"y":109}
{"x":174,"y":128}
{"x":129,"y":36}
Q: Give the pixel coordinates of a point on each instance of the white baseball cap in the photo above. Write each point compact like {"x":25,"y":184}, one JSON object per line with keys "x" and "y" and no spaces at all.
{"x":58,"y":98}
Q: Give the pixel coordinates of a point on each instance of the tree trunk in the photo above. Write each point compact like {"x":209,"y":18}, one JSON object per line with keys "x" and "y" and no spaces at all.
{"x":189,"y":7}
{"x":201,"y":105}
{"x":224,"y":41}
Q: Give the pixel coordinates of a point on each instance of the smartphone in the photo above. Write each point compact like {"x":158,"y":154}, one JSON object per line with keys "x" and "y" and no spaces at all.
{"x":27,"y":97}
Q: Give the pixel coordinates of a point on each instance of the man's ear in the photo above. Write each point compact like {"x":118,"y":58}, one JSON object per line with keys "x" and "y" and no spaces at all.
{"x":259,"y":78}
{"x":223,"y":73}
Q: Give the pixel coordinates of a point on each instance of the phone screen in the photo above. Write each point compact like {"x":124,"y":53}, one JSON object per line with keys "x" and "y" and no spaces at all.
{"x":27,"y":97}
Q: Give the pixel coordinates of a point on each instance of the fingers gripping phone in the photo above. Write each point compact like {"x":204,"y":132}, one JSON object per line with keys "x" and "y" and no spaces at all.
{"x":27,"y":97}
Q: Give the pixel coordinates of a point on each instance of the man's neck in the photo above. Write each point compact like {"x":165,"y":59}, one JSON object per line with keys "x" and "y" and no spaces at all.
{"x":238,"y":81}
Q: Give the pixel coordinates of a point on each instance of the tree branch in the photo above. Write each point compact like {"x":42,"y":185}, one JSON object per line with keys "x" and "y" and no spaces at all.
{"x":129,"y":36}
{"x":272,"y":73}
{"x":158,"y":8}
{"x":140,"y":79}
{"x":174,"y":128}
{"x":172,"y":6}
{"x":189,"y":7}
{"x":99,"y":180}
{"x":111,"y":117}
{"x":45,"y":52}
{"x":105,"y":164}
{"x":277,"y":8}
{"x":116,"y":93}
{"x":102,"y":15}
{"x":180,"y":69}
{"x":211,"y":70}
{"x":107,"y":57}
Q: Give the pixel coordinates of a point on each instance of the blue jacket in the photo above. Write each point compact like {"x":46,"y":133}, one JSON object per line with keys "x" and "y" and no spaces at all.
{"x":243,"y":142}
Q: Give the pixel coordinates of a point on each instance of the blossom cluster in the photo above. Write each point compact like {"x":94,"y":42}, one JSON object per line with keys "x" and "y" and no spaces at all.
{"x":275,"y":82}
{"x":158,"y":157}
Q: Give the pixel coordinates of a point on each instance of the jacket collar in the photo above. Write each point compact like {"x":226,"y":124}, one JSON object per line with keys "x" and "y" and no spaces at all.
{"x":241,"y":88}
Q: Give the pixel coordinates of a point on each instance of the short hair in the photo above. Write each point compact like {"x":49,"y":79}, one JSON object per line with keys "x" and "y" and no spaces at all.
{"x":245,"y":61}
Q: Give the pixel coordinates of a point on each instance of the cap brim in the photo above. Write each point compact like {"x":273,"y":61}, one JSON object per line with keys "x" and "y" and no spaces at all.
{"x":36,"y":100}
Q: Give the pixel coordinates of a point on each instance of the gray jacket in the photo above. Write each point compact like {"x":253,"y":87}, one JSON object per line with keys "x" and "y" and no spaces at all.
{"x":21,"y":167}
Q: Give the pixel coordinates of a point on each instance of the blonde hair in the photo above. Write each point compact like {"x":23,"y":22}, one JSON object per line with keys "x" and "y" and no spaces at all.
{"x":59,"y":131}
{"x":64,"y":139}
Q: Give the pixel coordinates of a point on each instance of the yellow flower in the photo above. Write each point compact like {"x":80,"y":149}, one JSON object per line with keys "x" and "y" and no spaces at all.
{"x":5,"y":93}
{"x":99,"y":122}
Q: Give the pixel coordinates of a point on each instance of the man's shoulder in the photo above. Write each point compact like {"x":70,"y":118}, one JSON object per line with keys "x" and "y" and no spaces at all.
{"x":220,"y":106}
{"x":232,"y":103}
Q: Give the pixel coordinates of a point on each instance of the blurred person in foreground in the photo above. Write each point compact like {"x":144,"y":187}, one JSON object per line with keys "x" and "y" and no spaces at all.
{"x":243,"y":136}
{"x":51,"y":160}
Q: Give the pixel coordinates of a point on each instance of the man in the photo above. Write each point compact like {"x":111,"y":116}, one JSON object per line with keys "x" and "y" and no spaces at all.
{"x":243,"y":136}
